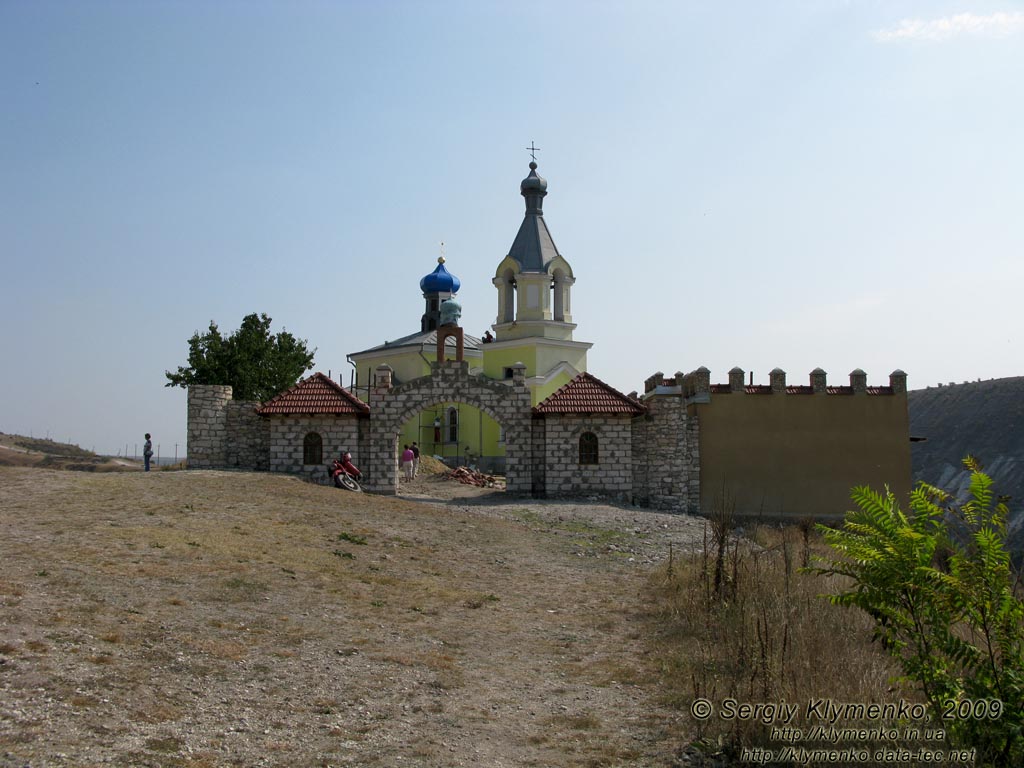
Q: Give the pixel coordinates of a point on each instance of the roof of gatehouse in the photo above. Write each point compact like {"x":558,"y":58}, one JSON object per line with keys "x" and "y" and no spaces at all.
{"x":588,"y":394}
{"x":317,"y":395}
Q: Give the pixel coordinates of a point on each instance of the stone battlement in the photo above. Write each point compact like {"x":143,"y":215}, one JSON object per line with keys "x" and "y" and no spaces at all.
{"x":698,"y":382}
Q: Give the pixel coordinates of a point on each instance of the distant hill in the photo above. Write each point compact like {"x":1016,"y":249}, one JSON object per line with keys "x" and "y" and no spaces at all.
{"x":21,"y":451}
{"x":984,"y":419}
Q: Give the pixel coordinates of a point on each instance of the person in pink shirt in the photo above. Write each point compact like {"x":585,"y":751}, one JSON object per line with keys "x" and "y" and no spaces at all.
{"x":407,"y":462}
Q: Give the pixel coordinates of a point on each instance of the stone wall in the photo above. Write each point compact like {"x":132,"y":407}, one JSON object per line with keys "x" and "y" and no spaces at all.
{"x":287,"y":438}
{"x":224,"y":433}
{"x":450,"y":381}
{"x":612,"y":476}
{"x":207,"y":426}
{"x":248,"y":437}
{"x":538,"y":486}
{"x":666,"y":466}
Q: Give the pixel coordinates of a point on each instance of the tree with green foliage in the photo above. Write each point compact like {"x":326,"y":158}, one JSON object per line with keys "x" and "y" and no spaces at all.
{"x":939,"y":585}
{"x":256,"y":363}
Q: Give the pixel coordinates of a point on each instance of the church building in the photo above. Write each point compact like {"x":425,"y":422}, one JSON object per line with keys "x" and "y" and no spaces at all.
{"x":533,"y":327}
{"x":521,"y":402}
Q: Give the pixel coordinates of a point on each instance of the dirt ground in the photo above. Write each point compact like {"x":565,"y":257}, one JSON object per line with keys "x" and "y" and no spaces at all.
{"x":232,"y":619}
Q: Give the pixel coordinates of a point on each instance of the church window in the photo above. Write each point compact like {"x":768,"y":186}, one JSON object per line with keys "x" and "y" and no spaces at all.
{"x":312,"y":449}
{"x":453,"y":425}
{"x":588,"y":448}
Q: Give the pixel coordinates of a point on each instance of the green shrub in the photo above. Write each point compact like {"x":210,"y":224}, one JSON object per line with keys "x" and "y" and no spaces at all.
{"x":938,"y":584}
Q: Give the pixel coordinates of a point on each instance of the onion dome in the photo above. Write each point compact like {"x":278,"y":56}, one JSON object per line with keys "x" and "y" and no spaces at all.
{"x":534,"y":184}
{"x":440,"y":280}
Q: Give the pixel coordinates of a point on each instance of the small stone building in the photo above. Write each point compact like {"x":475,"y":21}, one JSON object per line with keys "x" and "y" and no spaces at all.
{"x":583,"y":441}
{"x":312,"y":423}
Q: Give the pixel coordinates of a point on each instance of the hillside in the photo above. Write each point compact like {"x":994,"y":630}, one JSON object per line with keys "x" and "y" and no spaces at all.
{"x":224,"y":619}
{"x":984,"y":419}
{"x":21,"y":451}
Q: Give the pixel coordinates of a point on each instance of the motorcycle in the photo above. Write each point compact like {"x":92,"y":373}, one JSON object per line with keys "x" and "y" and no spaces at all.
{"x":345,"y":474}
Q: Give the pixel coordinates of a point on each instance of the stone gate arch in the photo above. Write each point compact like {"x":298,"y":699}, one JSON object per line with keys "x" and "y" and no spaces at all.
{"x":507,"y":402}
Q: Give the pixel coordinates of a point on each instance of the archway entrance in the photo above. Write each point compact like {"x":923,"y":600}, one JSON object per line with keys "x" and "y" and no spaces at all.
{"x":506,"y":402}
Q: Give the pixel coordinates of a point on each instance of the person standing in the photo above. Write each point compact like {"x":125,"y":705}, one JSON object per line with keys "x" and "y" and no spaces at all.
{"x":415,"y":459}
{"x":147,"y":450}
{"x":407,"y":457}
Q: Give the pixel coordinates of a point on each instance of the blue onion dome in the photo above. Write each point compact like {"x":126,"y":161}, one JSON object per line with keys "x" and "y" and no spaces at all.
{"x":534,"y":184}
{"x":440,"y":280}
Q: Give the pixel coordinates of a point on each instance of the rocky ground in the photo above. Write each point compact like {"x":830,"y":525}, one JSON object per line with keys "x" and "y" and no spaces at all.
{"x":233,"y":619}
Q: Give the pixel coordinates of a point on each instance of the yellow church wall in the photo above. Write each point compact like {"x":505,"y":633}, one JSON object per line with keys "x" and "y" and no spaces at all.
{"x":476,"y":430}
{"x":497,"y":359}
{"x":407,"y":364}
{"x":548,"y":389}
{"x":550,"y":356}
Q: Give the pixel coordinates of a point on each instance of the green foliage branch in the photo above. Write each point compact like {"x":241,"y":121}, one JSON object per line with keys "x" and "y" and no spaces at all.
{"x":254,"y":362}
{"x":938,"y":583}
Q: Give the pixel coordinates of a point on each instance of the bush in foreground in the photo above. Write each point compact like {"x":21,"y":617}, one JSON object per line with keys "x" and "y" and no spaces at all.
{"x":938,"y":585}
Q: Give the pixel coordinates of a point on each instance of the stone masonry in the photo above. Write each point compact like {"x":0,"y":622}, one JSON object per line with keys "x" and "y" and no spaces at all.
{"x":612,"y":476}
{"x":207,"y":426}
{"x":449,"y":381}
{"x":248,"y":437}
{"x":287,"y":438}
{"x":665,"y":455}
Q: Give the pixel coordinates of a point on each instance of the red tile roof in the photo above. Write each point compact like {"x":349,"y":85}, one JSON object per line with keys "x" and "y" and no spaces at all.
{"x":315,"y":395}
{"x":588,"y":394}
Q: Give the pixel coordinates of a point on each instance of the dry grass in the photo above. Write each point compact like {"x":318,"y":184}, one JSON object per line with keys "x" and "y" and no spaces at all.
{"x":769,"y":637}
{"x":204,"y":614}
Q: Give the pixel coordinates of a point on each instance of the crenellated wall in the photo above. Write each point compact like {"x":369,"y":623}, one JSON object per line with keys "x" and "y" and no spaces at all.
{"x":775,"y":450}
{"x":778,"y":450}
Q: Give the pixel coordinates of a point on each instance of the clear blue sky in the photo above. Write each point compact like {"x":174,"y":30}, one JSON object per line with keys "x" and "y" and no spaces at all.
{"x":794,"y":184}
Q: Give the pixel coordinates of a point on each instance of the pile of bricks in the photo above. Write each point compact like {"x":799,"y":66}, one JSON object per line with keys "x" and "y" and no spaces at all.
{"x":471,"y":477}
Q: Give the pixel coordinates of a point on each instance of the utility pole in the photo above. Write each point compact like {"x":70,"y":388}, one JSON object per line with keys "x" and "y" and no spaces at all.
{"x":175,"y":453}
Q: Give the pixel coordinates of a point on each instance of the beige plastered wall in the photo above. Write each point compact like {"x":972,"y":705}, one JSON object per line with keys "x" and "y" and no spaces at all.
{"x":793,"y":456}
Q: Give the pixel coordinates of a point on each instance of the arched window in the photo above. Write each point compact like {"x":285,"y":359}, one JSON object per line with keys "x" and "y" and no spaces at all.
{"x":453,"y":425}
{"x":588,"y":448}
{"x":312,"y":449}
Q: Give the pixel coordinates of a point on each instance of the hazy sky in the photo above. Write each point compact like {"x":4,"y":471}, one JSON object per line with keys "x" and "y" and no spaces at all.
{"x":794,"y":184}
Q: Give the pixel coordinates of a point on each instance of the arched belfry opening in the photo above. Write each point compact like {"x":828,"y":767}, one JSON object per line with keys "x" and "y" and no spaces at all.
{"x":506,"y":284}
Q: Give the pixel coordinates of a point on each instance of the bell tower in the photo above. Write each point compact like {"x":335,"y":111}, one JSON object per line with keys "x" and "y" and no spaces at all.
{"x":534,"y":280}
{"x":534,"y":325}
